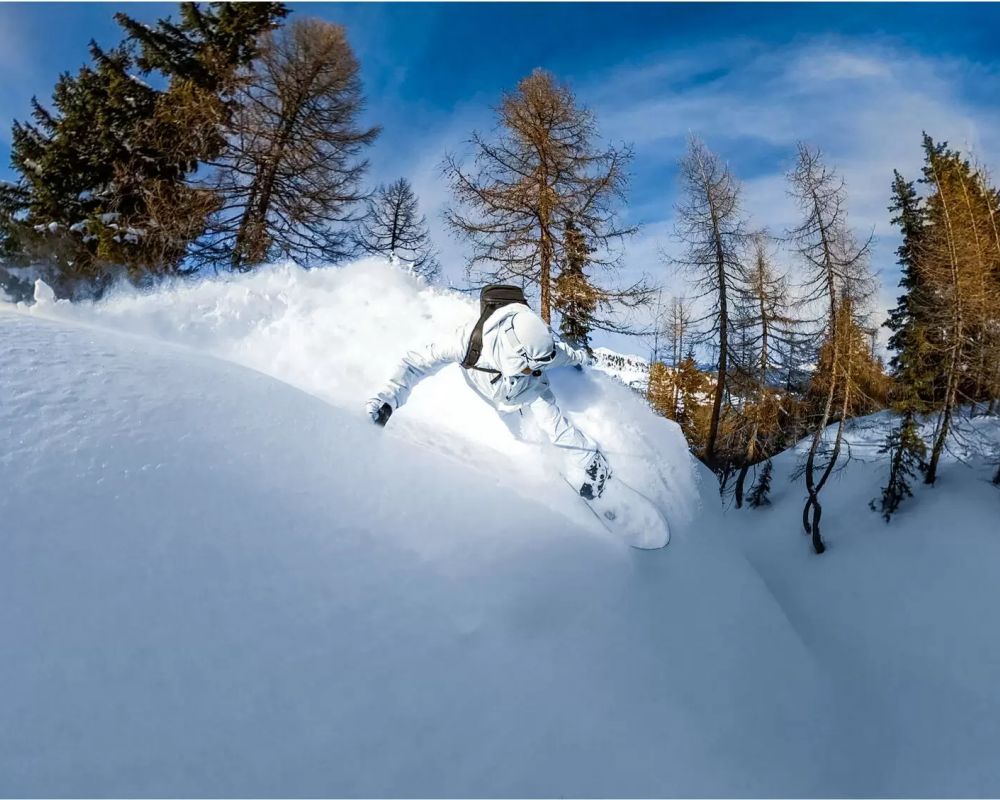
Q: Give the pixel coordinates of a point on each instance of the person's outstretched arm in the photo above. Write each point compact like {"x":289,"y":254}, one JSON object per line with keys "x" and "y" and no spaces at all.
{"x":414,"y":367}
{"x":567,"y":356}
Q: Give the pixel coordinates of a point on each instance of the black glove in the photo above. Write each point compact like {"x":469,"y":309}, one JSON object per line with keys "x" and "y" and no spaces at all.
{"x":379,"y":412}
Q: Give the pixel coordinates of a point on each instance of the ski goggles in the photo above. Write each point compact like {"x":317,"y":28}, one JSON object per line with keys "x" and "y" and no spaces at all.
{"x":534,"y":363}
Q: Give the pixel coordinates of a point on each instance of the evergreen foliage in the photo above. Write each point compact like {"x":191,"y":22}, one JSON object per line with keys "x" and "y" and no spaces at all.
{"x":103,"y":174}
{"x":573,"y":295}
{"x":906,"y":451}
{"x":761,"y":490}
{"x":911,"y":362}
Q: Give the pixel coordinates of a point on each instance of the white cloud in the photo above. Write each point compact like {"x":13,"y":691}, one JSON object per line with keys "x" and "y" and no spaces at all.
{"x":864,"y":103}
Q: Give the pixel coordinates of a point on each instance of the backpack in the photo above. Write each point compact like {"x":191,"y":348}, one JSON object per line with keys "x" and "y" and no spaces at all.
{"x":491,"y":298}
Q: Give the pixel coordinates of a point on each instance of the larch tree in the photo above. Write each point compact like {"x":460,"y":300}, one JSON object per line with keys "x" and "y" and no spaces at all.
{"x":106,"y":171}
{"x":764,"y":322}
{"x":395,"y":229}
{"x":837,"y":278}
{"x":679,"y":321}
{"x":204,"y":56}
{"x":958,"y":260}
{"x":711,"y":226}
{"x":991,"y":201}
{"x":666,"y":392}
{"x":541,"y":170}
{"x":290,"y":178}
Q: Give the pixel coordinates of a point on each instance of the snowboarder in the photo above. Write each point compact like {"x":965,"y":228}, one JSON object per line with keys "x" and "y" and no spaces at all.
{"x":505,"y":356}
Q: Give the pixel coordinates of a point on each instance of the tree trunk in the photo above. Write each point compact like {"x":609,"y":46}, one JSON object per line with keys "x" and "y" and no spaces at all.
{"x":957,"y":332}
{"x":251,"y":238}
{"x":720,"y":384}
{"x":812,"y":503}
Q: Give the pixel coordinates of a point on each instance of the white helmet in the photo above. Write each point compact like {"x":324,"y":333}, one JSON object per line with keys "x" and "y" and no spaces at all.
{"x":524,"y":342}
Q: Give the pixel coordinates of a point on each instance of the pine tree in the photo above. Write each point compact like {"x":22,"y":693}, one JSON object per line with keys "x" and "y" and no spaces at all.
{"x":761,"y":490}
{"x":906,"y":450}
{"x":68,"y":157}
{"x":911,"y":363}
{"x":205,"y":46}
{"x":104,"y":172}
{"x":394,"y":228}
{"x":203,"y":56}
{"x":13,"y":201}
{"x":573,"y":296}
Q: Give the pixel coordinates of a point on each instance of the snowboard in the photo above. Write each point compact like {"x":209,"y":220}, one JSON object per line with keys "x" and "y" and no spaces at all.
{"x":628,"y":514}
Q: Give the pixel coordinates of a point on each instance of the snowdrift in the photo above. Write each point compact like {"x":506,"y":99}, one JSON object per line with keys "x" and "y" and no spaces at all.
{"x":900,"y":613}
{"x":217,"y":578}
{"x":215,"y":583}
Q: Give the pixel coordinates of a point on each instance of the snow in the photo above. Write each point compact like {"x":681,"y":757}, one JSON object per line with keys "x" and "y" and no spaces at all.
{"x":631,"y":370}
{"x":900,"y":613}
{"x":339,"y":333}
{"x":218,"y":578}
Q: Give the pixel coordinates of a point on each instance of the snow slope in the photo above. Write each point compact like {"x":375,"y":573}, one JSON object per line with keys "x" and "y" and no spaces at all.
{"x":216,"y":584}
{"x":217,"y":580}
{"x":902,"y":613}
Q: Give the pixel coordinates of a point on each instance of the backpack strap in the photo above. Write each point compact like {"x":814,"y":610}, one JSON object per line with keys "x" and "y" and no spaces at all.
{"x":491,"y":299}
{"x":475,"y":348}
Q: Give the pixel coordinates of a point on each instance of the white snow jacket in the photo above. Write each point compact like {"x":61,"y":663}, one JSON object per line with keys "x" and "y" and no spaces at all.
{"x":510,"y":390}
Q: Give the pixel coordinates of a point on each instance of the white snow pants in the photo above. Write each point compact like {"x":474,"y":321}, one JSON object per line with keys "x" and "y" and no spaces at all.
{"x":578,"y":450}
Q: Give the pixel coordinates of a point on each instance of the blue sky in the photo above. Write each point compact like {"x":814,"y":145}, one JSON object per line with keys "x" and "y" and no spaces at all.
{"x":859,"y":80}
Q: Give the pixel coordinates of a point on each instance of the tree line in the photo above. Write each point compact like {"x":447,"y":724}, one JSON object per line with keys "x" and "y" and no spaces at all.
{"x":230,"y":137}
{"x":796,"y":360}
{"x":220,"y":140}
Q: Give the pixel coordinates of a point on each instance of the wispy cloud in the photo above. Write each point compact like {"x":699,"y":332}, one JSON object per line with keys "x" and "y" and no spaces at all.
{"x":863,"y":102}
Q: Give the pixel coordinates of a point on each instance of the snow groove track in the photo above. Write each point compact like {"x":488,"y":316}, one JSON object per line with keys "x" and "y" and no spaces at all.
{"x":212,"y":583}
